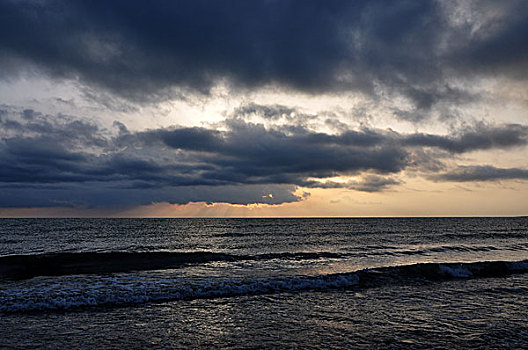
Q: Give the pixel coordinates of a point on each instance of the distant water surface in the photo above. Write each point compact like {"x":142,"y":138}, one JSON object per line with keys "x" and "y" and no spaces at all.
{"x":310,"y":283}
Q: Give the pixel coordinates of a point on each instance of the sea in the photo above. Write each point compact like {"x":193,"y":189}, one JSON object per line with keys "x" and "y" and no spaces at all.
{"x":318,"y":283}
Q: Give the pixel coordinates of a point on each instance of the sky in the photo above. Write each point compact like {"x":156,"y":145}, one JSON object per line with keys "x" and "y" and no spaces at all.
{"x":263,"y":108}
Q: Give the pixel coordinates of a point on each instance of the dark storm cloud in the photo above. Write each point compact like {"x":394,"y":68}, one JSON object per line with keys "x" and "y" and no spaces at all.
{"x":140,"y":49}
{"x":482,"y":173}
{"x":97,"y":195}
{"x":58,"y":130}
{"x":133,"y":47}
{"x":249,"y":154}
{"x":479,"y":137}
{"x":503,"y":46}
{"x":58,"y":159}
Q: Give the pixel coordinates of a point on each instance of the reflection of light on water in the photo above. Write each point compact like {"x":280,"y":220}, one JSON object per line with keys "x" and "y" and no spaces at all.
{"x":409,"y":255}
{"x":332,"y":267}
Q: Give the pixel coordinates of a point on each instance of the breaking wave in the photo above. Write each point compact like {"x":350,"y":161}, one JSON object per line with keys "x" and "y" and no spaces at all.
{"x":114,"y":291}
{"x":16,"y":267}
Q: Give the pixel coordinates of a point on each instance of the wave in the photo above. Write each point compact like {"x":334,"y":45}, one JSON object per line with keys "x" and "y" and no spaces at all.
{"x":17,"y":267}
{"x":115,"y":291}
{"x":399,"y":251}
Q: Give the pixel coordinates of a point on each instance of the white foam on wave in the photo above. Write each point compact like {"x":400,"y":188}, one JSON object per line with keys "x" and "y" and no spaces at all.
{"x":82,"y":291}
{"x":455,"y":271}
{"x":117,"y":291}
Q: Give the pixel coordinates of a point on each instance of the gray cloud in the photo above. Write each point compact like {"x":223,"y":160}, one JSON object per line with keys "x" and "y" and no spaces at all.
{"x":62,"y":159}
{"x":481,"y":173}
{"x":97,"y":194}
{"x":479,"y":137}
{"x":141,"y":50}
{"x":367,"y":183}
{"x":374,"y":183}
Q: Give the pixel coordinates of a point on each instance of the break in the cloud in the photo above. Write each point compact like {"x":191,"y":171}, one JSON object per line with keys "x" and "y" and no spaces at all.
{"x":428,"y":90}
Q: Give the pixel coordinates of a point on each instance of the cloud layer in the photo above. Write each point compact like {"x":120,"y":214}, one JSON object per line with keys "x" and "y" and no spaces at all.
{"x":482,"y":173}
{"x":63,"y":160}
{"x":141,"y":50}
{"x":395,"y":64}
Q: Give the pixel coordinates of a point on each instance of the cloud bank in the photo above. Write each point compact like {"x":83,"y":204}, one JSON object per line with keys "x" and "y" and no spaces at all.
{"x":63,"y":160}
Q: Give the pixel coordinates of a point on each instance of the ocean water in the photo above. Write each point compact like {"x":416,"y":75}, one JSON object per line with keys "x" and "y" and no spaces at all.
{"x":264,"y":283}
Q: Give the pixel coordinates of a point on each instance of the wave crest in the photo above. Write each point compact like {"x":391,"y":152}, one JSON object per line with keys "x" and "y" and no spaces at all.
{"x":126,"y":290}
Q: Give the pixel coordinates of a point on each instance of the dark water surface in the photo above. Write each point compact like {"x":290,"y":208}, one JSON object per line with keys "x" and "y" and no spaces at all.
{"x":253,"y":283}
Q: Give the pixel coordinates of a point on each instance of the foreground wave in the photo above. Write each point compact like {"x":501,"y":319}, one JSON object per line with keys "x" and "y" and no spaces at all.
{"x":112,"y":291}
{"x":17,"y":267}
